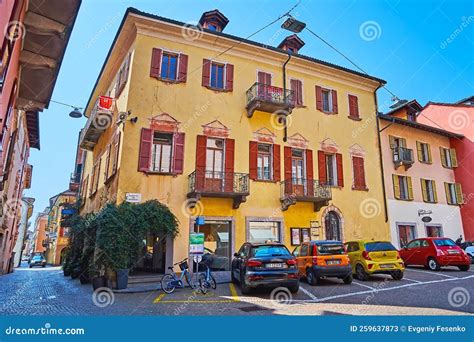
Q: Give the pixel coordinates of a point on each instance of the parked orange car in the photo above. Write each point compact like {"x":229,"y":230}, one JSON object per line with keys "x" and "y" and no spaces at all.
{"x":323,"y":259}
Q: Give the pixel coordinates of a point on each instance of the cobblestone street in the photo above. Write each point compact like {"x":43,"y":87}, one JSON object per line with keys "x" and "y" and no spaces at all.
{"x":45,"y":291}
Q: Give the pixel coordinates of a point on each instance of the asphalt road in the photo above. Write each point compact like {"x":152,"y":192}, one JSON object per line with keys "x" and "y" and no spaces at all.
{"x":45,"y":291}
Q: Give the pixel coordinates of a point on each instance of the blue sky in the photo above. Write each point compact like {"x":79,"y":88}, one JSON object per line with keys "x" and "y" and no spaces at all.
{"x":423,"y":49}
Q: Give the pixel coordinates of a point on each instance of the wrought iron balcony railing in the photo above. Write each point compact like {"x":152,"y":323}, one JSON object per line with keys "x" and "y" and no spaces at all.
{"x":403,"y":156}
{"x":269,"y":98}
{"x":304,"y":190}
{"x":219,"y":184}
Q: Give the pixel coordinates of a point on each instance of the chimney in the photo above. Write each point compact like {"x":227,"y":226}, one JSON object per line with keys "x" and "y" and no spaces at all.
{"x":213,"y":20}
{"x":291,"y":44}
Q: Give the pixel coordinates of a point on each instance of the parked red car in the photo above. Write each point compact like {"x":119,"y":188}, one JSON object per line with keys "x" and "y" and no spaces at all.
{"x":434,"y":253}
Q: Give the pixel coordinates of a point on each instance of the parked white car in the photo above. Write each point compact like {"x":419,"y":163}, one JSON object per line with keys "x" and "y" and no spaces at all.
{"x":470,"y":251}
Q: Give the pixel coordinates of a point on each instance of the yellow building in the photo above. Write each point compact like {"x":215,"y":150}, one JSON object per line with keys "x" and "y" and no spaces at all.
{"x":57,"y":229}
{"x":173,"y":118}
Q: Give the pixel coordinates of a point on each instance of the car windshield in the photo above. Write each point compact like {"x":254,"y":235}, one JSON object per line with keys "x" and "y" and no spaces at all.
{"x":379,"y":246}
{"x":444,"y":242}
{"x":37,"y":258}
{"x":330,"y":249}
{"x":269,"y":251}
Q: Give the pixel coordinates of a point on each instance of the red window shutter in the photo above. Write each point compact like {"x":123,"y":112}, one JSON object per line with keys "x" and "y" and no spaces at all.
{"x":300,"y":93}
{"x":297,"y":86}
{"x":107,"y":160}
{"x":334,"y":101}
{"x":155,"y":62}
{"x":206,"y":72}
{"x":340,"y":173}
{"x":287,"y":162}
{"x":359,"y":174}
{"x":276,"y":163}
{"x":229,"y":165}
{"x":178,"y":158}
{"x":309,"y":172}
{"x":183,"y":68}
{"x":353,"y":106}
{"x":264,"y":77}
{"x":322,"y":167}
{"x":229,"y":71}
{"x":145,"y":150}
{"x":201,"y":146}
{"x":319,"y":98}
{"x":253,"y":153}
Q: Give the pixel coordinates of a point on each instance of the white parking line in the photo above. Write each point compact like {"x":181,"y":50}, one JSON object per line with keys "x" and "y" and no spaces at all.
{"x":433,"y":273}
{"x":309,"y":294}
{"x":363,"y":285}
{"x":416,"y":281}
{"x":383,"y":289}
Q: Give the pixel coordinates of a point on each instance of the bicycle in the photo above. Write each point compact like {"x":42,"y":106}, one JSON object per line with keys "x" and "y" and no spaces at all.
{"x":207,"y":280}
{"x":170,"y":281}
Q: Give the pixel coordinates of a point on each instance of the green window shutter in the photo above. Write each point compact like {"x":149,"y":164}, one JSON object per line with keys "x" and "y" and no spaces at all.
{"x":454,"y":159}
{"x":443,"y":157}
{"x":428,"y":147}
{"x":403,"y":142}
{"x":435,"y":193}
{"x":392,"y":141}
{"x":448,"y":193}
{"x":420,"y":151}
{"x":396,"y":187}
{"x":459,"y":198}
{"x":424,"y":190}
{"x":410,"y":188}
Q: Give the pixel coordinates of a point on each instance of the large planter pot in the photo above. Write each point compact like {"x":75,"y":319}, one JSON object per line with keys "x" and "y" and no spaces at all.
{"x":98,"y":282}
{"x":122,"y":278}
{"x":66,"y":272}
{"x":76,"y":272}
{"x":84,"y":278}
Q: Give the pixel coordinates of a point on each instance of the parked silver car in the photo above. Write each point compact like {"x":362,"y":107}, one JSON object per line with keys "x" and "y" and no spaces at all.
{"x":38,"y":260}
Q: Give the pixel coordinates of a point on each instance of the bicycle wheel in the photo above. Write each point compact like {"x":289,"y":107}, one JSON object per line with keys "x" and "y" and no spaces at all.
{"x":167,"y":283}
{"x":213,"y":282}
{"x":189,"y":280}
{"x":203,"y":283}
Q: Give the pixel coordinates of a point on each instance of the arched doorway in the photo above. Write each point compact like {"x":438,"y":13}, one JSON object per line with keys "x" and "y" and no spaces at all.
{"x":332,"y":225}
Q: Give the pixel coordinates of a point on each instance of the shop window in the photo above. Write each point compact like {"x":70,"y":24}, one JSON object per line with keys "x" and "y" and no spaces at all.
{"x":264,"y":231}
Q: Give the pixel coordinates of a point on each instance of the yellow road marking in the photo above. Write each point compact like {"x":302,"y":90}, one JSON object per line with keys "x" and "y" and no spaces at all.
{"x":160,"y":297}
{"x":233,"y":291}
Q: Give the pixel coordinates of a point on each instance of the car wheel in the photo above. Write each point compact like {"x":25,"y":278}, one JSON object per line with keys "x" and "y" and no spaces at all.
{"x":361,"y":273}
{"x":294,"y":289}
{"x":464,"y":268}
{"x":348,"y":279}
{"x":44,"y":266}
{"x":311,"y":278}
{"x":30,"y":266}
{"x":397,"y":275}
{"x":472,"y":258}
{"x":243,"y":287}
{"x":433,"y":265}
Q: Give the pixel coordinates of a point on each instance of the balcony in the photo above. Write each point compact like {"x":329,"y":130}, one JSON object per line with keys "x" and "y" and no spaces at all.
{"x":403,"y":156}
{"x":270,"y":99}
{"x":100,"y":119}
{"x":219,"y":185}
{"x":304,"y":190}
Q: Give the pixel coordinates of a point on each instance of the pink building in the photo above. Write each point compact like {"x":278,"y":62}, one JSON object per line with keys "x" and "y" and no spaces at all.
{"x":28,"y":72}
{"x":458,"y":118}
{"x":422,"y":195}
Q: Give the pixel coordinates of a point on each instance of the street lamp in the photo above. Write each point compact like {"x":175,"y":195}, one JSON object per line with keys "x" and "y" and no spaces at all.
{"x":293,"y":25}
{"x":75,"y":113}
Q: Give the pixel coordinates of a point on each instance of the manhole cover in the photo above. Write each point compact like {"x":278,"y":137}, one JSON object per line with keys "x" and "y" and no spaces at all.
{"x":252,"y":308}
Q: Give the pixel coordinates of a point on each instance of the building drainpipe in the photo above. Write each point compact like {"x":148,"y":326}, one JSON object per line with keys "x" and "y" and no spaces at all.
{"x":285,"y":129}
{"x":380,"y":152}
